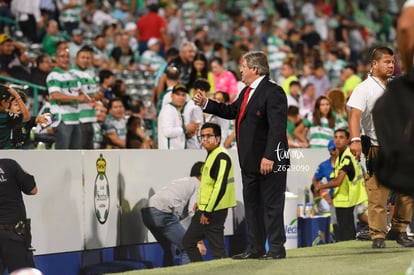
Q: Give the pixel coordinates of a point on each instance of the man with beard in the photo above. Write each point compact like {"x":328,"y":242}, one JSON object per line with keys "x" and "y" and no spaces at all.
{"x":361,"y":103}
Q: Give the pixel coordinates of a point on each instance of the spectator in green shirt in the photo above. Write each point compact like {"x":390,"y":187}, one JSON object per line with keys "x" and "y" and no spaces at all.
{"x":52,"y":37}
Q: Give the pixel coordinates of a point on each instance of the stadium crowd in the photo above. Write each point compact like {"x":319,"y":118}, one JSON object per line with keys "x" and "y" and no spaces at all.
{"x":121,"y":58}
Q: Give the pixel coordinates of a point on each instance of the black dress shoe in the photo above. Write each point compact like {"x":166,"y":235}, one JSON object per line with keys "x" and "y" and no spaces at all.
{"x":403,"y":240}
{"x":273,"y":256}
{"x":378,"y":243}
{"x":246,"y":255}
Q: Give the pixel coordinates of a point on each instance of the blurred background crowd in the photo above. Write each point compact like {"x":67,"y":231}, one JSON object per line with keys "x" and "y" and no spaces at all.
{"x":318,"y":51}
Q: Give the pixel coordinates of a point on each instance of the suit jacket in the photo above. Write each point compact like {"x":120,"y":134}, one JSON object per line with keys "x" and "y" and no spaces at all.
{"x":262,"y":130}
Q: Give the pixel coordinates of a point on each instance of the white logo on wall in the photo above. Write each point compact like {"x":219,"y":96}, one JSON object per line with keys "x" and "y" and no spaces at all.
{"x":283,"y":154}
{"x":101,"y":191}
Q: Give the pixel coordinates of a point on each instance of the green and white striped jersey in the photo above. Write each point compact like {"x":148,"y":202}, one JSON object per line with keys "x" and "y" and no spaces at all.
{"x":319,"y":135}
{"x":60,"y":81}
{"x":89,"y":86}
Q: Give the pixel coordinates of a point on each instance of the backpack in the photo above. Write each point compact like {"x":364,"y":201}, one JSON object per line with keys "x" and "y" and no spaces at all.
{"x":393,"y":117}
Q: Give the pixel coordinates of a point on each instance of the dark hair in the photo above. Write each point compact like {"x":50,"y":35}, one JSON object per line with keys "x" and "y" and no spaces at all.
{"x":4,"y":93}
{"x":60,"y":42}
{"x":317,"y":114}
{"x":218,"y":46}
{"x":217,"y":59}
{"x":293,"y":111}
{"x":40,"y":59}
{"x":172,"y":52}
{"x":99,"y":36}
{"x":132,"y":139}
{"x":351,"y":66}
{"x":104,"y":74}
{"x":216,"y":128}
{"x":378,"y":52}
{"x":85,"y":48}
{"x":294,"y":82}
{"x":116,"y":89}
{"x":105,"y":28}
{"x":225,"y":95}
{"x":318,"y":65}
{"x":196,"y":169}
{"x":343,"y":131}
{"x":112,"y":100}
{"x":202,"y":84}
{"x":204,"y":72}
{"x":153,"y":7}
{"x":137,"y":106}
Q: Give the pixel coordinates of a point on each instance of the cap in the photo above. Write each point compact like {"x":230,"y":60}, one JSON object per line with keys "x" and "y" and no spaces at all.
{"x":76,"y":32}
{"x":130,"y":26}
{"x":331,"y":145}
{"x":178,"y":88}
{"x":4,"y":93}
{"x":152,"y":41}
{"x":4,"y":37}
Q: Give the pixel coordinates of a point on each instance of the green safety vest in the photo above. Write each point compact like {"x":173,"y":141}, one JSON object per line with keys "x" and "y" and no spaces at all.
{"x":349,"y":193}
{"x":210,"y":188}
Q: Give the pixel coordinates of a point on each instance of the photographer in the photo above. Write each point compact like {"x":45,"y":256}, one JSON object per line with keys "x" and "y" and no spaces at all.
{"x":15,"y":236}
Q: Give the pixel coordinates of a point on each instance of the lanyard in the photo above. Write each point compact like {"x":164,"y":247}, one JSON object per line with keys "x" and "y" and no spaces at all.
{"x":378,"y":83}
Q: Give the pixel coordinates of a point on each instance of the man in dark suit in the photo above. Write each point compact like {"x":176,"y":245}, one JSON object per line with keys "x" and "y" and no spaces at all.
{"x":261,"y":116}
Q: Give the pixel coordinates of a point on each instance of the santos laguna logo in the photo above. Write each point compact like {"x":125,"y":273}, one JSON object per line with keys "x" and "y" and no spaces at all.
{"x":101,"y":191}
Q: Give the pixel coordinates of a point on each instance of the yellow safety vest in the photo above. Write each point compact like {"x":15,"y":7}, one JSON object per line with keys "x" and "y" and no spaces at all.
{"x":210,"y":188}
{"x":349,"y":193}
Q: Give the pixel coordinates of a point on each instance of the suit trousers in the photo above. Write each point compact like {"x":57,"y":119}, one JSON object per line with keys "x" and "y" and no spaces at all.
{"x":264,"y":203}
{"x":213,"y":232}
{"x":377,"y":207}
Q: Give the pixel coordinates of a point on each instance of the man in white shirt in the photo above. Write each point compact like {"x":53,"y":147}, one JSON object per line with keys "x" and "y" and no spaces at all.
{"x":173,"y":132}
{"x":361,"y":103}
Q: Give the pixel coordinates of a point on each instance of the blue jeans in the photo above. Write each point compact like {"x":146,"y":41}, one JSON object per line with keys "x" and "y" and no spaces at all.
{"x":68,"y":136}
{"x":167,"y":230}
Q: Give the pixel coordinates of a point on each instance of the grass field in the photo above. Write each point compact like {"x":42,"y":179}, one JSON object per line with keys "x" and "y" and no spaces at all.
{"x":352,"y":257}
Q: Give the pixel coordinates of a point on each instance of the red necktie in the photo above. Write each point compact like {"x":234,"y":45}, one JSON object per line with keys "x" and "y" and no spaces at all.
{"x":242,"y":109}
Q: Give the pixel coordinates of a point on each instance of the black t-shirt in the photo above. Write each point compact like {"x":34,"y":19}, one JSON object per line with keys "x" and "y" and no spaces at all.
{"x":13,"y":181}
{"x":8,"y":121}
{"x":124,"y":58}
{"x":12,"y":65}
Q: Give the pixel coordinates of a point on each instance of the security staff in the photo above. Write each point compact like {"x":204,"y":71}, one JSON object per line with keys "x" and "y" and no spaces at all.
{"x":15,"y":236}
{"x":349,"y":186}
{"x":215,"y":197}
